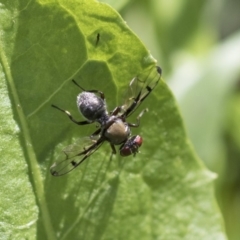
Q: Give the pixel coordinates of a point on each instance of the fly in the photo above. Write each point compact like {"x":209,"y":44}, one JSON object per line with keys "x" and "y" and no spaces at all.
{"x":113,"y":126}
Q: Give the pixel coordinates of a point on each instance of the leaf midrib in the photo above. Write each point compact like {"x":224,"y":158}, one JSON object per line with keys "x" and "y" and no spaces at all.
{"x":31,"y":159}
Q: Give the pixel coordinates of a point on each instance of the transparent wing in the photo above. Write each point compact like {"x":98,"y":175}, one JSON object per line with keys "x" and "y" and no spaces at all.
{"x":73,"y":155}
{"x":139,"y":88}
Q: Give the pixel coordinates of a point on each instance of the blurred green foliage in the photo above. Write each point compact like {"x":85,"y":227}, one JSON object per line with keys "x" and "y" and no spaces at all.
{"x":198,"y":45}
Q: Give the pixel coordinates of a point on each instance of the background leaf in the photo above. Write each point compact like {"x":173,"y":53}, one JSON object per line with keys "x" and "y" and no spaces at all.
{"x":164,"y":192}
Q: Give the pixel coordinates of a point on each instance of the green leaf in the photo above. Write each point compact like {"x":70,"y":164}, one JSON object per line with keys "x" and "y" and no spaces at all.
{"x":16,"y":191}
{"x":164,"y":192}
{"x":19,"y":211}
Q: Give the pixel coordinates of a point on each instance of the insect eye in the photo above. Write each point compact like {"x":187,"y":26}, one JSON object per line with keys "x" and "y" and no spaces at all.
{"x":138,"y":140}
{"x":125,"y":151}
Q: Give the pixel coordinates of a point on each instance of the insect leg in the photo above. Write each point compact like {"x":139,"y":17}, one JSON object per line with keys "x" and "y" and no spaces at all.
{"x":96,"y":132}
{"x":113,"y":152}
{"x":71,"y":118}
{"x":101,"y":94}
{"x":138,"y":119}
{"x":116,"y":111}
{"x":138,"y":100}
{"x":146,"y":88}
{"x":113,"y":148}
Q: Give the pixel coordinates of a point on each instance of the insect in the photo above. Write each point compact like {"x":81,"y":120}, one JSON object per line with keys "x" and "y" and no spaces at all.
{"x":97,"y":39}
{"x":113,"y":126}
